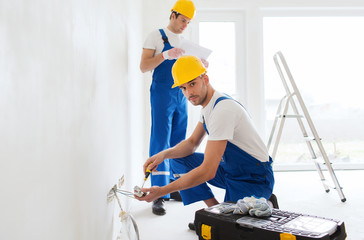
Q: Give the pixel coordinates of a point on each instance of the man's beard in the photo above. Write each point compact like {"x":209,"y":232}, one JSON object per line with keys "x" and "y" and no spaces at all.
{"x":198,"y":97}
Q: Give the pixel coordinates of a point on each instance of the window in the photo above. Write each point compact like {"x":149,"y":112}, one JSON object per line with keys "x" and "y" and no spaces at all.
{"x":220,"y":37}
{"x":326,"y":58}
{"x":222,"y":32}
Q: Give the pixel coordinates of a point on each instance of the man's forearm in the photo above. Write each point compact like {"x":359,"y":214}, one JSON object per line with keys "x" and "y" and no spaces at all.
{"x":193,"y":178}
{"x":148,"y":64}
{"x":203,"y":173}
{"x":182,"y":149}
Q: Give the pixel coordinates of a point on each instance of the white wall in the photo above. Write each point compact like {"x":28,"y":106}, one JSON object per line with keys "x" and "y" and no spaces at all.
{"x":68,"y":99}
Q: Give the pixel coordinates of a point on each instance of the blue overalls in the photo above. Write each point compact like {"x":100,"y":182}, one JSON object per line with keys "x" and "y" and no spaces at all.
{"x":169,"y":115}
{"x":240,"y":174}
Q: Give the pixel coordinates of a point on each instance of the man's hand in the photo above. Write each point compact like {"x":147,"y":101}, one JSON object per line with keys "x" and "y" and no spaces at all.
{"x":205,"y":63}
{"x":154,"y":161}
{"x":152,"y":193}
{"x":173,"y":53}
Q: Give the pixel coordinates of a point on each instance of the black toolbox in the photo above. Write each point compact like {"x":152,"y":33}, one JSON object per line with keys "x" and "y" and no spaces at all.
{"x":212,"y":224}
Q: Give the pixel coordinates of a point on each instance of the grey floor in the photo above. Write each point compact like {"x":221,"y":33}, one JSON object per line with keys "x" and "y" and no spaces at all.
{"x":300,"y":192}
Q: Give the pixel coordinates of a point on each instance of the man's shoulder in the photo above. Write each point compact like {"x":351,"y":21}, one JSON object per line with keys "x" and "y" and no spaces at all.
{"x":155,"y":32}
{"x":223,"y":99}
{"x":152,"y":39}
{"x":227,"y":106}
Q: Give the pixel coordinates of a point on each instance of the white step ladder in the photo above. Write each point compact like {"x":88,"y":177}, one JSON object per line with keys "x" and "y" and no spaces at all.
{"x":292,"y":96}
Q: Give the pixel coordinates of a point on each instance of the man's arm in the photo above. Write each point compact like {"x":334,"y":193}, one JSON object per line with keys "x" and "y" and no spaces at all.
{"x":206,"y":171}
{"x":184,"y":148}
{"x":148,"y":61}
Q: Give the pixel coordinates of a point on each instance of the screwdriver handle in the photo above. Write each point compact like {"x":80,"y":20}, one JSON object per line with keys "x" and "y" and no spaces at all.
{"x":147,"y":173}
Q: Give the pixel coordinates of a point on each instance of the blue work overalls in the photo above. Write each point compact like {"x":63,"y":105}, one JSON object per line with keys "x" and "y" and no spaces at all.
{"x":240,"y":174}
{"x":169,"y":115}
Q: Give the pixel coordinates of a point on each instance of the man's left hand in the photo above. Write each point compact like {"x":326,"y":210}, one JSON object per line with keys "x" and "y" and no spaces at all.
{"x":152,"y":193}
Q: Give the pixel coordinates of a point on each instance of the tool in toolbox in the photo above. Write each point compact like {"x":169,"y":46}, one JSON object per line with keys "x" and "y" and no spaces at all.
{"x":212,"y":224}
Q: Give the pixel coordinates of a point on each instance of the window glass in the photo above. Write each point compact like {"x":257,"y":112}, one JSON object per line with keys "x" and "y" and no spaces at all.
{"x":220,"y":38}
{"x":326,"y":58}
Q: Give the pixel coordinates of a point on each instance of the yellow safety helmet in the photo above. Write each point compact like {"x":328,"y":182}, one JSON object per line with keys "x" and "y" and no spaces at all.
{"x":186,"y":68}
{"x":184,"y":7}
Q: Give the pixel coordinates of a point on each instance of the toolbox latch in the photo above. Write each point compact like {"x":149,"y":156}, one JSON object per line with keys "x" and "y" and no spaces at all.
{"x":206,"y":232}
{"x":287,"y":236}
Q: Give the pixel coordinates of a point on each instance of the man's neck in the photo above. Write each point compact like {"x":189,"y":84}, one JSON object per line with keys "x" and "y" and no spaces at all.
{"x":169,"y":27}
{"x":210,"y":93}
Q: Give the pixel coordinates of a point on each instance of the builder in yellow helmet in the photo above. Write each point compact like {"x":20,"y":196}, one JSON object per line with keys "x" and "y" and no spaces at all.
{"x":168,"y":106}
{"x":235,"y":159}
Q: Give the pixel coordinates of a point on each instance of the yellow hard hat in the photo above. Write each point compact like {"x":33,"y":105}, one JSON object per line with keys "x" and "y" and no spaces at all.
{"x":184,"y":7}
{"x":185,"y":69}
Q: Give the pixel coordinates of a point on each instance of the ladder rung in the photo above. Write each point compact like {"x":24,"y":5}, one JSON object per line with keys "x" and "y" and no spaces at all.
{"x":328,"y":184}
{"x":289,"y":116}
{"x":310,"y":139}
{"x":321,"y":163}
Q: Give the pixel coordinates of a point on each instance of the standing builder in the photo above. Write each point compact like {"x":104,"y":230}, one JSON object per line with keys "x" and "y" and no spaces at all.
{"x":168,"y":105}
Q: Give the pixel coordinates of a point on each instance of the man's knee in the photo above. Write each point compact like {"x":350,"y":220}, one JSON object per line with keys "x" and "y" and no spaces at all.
{"x":191,"y":161}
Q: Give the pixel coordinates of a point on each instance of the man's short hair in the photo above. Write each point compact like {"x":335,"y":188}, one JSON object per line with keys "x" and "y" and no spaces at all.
{"x":175,"y":13}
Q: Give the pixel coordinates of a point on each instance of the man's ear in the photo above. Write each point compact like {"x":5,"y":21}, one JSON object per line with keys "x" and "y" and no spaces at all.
{"x":206,"y":79}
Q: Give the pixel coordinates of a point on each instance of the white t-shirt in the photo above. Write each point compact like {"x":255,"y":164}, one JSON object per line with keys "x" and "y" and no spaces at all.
{"x":154,"y":40}
{"x":230,"y":121}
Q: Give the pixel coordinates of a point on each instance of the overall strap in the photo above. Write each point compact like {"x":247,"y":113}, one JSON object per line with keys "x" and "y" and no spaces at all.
{"x":204,"y":125}
{"x":162,"y":73}
{"x":219,"y":99}
{"x":216,"y":102}
{"x":164,"y":37}
{"x":227,"y":97}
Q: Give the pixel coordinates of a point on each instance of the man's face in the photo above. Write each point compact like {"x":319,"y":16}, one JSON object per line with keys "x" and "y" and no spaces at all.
{"x":179,"y":24}
{"x":195,"y":91}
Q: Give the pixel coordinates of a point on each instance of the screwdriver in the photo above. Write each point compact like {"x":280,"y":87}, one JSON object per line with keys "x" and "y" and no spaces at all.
{"x":147,"y":173}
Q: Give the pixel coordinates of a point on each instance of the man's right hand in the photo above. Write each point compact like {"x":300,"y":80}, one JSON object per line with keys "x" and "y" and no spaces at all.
{"x":173,"y":53}
{"x":153,"y":162}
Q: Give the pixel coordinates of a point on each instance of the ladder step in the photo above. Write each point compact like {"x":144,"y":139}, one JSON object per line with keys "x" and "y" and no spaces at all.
{"x":328,"y":184}
{"x":289,"y":116}
{"x":309,"y":139}
{"x":321,"y":163}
